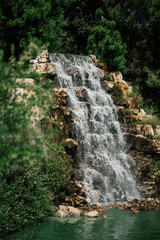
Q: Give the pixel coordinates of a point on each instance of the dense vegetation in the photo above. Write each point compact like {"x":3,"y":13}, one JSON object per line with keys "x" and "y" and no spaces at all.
{"x":124,"y":34}
{"x":35,"y":171}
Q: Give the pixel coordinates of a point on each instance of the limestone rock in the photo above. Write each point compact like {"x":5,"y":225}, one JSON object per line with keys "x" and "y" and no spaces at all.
{"x":81,"y":93}
{"x":62,"y":211}
{"x":157,"y":130}
{"x":61,"y":96}
{"x":110,"y":85}
{"x":97,"y":63}
{"x":145,"y":130}
{"x":74,"y":211}
{"x":42,"y":63}
{"x":71,"y":143}
{"x":26,"y":81}
{"x":94,"y":59}
{"x":43,"y":57}
{"x":91,"y":214}
{"x":118,"y":80}
{"x":117,"y":76}
{"x":148,"y":131}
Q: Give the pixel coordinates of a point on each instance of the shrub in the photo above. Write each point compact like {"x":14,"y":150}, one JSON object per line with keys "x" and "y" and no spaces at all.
{"x":117,"y":93}
{"x":57,"y":169}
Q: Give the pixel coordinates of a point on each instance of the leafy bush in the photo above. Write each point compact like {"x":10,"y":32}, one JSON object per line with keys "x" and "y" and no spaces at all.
{"x":24,"y":199}
{"x":107,"y":77}
{"x":34,"y":169}
{"x":150,"y":107}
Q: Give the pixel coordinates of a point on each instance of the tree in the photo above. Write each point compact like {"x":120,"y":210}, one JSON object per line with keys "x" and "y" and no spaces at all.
{"x":25,"y":21}
{"x":105,"y":42}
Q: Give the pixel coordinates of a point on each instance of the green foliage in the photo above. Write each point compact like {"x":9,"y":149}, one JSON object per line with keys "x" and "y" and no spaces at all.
{"x":105,"y":42}
{"x":156,"y":165}
{"x":107,"y":77}
{"x":24,"y":199}
{"x":34,"y":168}
{"x":32,"y":21}
{"x":150,"y":107}
{"x":153,"y":120}
{"x":153,"y":80}
{"x":117,"y":93}
{"x":57,"y":169}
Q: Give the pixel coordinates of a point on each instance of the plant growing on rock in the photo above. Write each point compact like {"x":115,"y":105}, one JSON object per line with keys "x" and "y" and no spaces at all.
{"x":117,"y":93}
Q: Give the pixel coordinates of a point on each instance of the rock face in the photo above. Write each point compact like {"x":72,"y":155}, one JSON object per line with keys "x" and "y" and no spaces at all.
{"x":42,"y":63}
{"x":118,"y":80}
{"x":61,"y":96}
{"x":143,"y":148}
{"x":140,"y":205}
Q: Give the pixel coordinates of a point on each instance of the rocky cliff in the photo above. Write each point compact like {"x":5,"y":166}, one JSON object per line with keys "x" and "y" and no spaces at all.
{"x":142,"y":139}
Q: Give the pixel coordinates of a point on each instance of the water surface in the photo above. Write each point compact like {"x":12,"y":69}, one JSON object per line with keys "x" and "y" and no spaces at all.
{"x":120,"y":225}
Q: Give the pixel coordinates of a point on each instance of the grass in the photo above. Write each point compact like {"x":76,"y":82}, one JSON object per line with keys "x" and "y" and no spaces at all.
{"x":153,"y":120}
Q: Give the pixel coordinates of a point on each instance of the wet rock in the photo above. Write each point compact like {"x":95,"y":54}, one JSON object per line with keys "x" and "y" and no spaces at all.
{"x":100,"y":65}
{"x":71,"y":144}
{"x":91,"y":214}
{"x":69,"y":71}
{"x":81,"y":93}
{"x":62,"y":211}
{"x":61,"y":96}
{"x":74,"y":211}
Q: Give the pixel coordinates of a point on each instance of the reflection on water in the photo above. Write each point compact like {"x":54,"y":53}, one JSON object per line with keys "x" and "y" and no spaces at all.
{"x":120,"y":225}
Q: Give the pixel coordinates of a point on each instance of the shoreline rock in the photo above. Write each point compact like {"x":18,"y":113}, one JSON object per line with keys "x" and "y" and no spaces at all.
{"x":134,"y":207}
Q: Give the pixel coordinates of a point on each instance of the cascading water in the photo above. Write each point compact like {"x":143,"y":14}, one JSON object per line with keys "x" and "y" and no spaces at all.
{"x":106,"y":170}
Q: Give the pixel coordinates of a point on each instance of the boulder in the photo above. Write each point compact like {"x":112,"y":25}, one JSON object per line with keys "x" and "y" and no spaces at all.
{"x":81,"y":93}
{"x":91,"y":214}
{"x":117,"y":76}
{"x":62,"y":211}
{"x":74,"y":211}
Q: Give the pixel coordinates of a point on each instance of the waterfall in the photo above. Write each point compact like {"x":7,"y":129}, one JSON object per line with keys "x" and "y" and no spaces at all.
{"x":106,"y":170}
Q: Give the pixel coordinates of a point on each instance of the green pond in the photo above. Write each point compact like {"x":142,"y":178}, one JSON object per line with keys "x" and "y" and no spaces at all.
{"x":120,"y":225}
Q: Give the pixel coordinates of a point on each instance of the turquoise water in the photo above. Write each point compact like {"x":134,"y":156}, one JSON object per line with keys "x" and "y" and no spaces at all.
{"x":120,"y":225}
